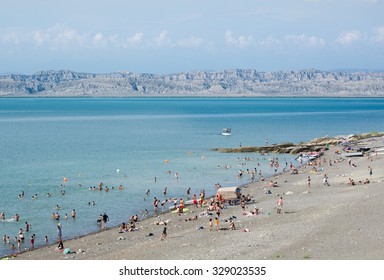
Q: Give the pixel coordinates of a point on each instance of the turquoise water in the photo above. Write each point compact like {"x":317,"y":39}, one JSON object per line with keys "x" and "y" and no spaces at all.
{"x":132,"y":141}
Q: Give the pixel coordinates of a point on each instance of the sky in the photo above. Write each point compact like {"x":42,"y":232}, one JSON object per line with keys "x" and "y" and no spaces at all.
{"x":171,"y":36}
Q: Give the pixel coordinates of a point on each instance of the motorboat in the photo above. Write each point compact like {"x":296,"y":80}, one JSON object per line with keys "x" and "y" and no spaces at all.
{"x":308,"y":157}
{"x":226,"y":132}
{"x":356,"y":154}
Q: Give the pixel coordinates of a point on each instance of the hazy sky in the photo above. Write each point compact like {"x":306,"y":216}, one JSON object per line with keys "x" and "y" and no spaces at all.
{"x":172,"y":36}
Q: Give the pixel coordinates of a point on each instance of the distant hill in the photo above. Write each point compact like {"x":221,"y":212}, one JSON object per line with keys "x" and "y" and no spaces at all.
{"x":236,"y":82}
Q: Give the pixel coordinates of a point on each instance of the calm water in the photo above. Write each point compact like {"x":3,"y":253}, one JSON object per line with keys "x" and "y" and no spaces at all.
{"x":132,"y":141}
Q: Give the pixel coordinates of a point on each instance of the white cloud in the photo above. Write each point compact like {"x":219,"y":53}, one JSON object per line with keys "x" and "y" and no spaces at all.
{"x":98,"y":38}
{"x":378,"y":34}
{"x":66,"y":38}
{"x":163,"y":39}
{"x":241,"y":41}
{"x":348,"y":38}
{"x":135,"y":40}
{"x":270,"y":41}
{"x":10,"y":38}
{"x":38,"y":38}
{"x":308,"y":41}
{"x":60,"y":37}
{"x":190,"y":42}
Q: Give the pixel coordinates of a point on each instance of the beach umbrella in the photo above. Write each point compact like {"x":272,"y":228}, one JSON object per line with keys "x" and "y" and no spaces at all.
{"x":67,"y":251}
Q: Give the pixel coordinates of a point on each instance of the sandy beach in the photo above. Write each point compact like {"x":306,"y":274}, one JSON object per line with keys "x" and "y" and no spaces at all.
{"x":337,"y":222}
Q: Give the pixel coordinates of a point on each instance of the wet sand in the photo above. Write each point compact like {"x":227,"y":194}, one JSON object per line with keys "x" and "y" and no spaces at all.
{"x":336,"y":222}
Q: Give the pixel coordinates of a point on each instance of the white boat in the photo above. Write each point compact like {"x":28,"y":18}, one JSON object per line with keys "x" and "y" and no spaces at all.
{"x":308,"y":157}
{"x":226,"y":132}
{"x":357,"y":154}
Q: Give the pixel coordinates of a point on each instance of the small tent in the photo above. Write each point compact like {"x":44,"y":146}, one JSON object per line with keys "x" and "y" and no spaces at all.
{"x":230,"y":193}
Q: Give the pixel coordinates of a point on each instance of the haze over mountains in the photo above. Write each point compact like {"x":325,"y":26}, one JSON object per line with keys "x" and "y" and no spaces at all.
{"x":234,"y":82}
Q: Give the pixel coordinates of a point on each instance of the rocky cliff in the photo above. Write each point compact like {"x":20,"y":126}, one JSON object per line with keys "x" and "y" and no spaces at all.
{"x":237,"y":82}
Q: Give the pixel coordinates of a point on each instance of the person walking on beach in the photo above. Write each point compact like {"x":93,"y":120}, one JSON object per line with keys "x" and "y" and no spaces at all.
{"x":370,"y":170}
{"x":195,"y":201}
{"x":164,"y":233}
{"x":325,"y":180}
{"x":217,"y":223}
{"x":210,"y":224}
{"x":181,"y":206}
{"x":279,"y":205}
{"x":309,"y":184}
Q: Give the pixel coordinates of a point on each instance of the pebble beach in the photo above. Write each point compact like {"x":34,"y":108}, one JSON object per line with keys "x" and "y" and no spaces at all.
{"x":334,"y":221}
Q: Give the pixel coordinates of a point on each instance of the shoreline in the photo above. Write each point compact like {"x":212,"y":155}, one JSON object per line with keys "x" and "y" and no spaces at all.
{"x":298,"y":233}
{"x":197,"y":96}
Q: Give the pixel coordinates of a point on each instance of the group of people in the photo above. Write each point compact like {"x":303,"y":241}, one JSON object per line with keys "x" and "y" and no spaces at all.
{"x":101,"y":187}
{"x":103,"y":219}
{"x":20,"y":239}
{"x":131,"y":226}
{"x":215,"y":205}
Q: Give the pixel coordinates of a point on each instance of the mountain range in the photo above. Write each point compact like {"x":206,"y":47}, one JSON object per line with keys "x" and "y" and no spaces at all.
{"x":232,"y":82}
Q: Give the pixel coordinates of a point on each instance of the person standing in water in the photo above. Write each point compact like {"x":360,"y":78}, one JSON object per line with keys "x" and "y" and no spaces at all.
{"x":59,"y":232}
{"x":73,"y":213}
{"x":104,"y":221}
